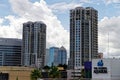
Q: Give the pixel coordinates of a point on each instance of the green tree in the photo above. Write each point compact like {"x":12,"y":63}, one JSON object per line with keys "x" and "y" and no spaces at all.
{"x":46,"y":68}
{"x":35,"y":74}
{"x":54,"y":72}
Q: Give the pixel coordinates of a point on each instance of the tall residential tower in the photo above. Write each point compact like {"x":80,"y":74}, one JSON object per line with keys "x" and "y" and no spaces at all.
{"x":34,"y":44}
{"x":83,"y":36}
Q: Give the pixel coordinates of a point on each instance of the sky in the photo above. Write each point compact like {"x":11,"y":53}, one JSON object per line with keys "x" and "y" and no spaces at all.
{"x":55,"y":14}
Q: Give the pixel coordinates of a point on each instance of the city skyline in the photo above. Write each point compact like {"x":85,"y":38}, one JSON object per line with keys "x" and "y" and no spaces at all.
{"x":57,"y":20}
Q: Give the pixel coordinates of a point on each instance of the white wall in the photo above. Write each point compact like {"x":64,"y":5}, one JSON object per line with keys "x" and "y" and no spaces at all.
{"x":101,"y":75}
{"x":113,"y":67}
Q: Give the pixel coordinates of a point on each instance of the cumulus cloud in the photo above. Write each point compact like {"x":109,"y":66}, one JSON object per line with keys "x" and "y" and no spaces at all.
{"x":13,"y":29}
{"x":56,"y":34}
{"x":64,"y":6}
{"x":1,"y":20}
{"x":111,"y":1}
{"x":109,"y":30}
{"x":38,"y":11}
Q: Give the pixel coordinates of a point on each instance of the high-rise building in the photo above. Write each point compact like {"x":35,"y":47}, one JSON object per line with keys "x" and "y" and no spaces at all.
{"x":57,"y":56}
{"x":62,"y":56}
{"x":47,"y":57}
{"x":53,"y":56}
{"x":34,"y":44}
{"x":83,"y":36}
{"x":100,"y":55}
{"x":10,"y":52}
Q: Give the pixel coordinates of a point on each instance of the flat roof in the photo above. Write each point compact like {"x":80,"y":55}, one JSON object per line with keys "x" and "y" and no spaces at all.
{"x":10,"y":41}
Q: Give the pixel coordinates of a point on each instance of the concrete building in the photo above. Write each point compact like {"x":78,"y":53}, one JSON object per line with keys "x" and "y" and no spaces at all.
{"x":83,"y":36}
{"x":106,"y":69}
{"x":10,"y":52}
{"x":34,"y":44}
{"x":73,"y":74}
{"x":14,"y":72}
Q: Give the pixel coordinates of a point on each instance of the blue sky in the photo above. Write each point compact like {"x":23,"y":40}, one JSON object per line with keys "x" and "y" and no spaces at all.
{"x":55,"y":13}
{"x":105,"y":10}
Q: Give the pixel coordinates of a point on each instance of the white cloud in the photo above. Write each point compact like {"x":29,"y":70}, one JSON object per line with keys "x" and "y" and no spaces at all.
{"x":38,"y":11}
{"x":111,"y":1}
{"x":109,"y":30}
{"x":1,"y":20}
{"x":14,"y":29}
{"x":64,"y":6}
{"x":56,"y":34}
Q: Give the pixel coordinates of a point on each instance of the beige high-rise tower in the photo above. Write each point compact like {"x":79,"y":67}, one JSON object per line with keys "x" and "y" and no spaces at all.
{"x":83,"y":36}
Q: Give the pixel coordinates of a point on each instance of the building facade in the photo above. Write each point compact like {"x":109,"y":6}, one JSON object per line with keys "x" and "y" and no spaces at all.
{"x":62,"y":56}
{"x":57,"y":56}
{"x":83,"y":36}
{"x":53,"y":56}
{"x":10,"y":52}
{"x":15,"y":73}
{"x":47,"y":57}
{"x":106,"y":69}
{"x":34,"y":44}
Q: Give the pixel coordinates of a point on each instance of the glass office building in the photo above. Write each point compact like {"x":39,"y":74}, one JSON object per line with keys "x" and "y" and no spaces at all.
{"x":34,"y":44}
{"x":10,"y":52}
{"x":57,"y":56}
{"x":62,"y":56}
{"x":53,"y":56}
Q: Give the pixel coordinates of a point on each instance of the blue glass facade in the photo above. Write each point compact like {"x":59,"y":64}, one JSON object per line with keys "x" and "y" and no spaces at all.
{"x":53,"y":52}
{"x":57,"y":56}
{"x":62,"y":56}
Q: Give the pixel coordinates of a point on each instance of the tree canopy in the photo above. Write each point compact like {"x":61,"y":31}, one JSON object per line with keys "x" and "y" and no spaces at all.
{"x":35,"y":74}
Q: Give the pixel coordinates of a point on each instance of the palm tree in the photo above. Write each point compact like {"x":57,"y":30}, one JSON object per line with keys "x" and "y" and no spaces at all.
{"x":46,"y":68}
{"x":17,"y":78}
{"x":35,"y":74}
{"x":54,"y":72}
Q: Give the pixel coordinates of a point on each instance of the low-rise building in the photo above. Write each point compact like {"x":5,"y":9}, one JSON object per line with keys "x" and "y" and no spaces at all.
{"x":10,"y":52}
{"x":14,"y":72}
{"x":73,"y":74}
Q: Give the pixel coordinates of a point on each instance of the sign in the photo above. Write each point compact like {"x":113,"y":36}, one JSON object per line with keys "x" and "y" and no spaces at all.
{"x":88,"y":65}
{"x":100,"y":63}
{"x":100,"y":67}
